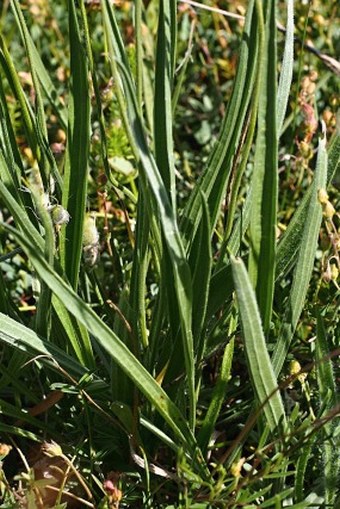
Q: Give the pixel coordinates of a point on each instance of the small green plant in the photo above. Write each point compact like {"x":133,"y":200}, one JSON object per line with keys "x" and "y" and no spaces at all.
{"x":171,"y":292}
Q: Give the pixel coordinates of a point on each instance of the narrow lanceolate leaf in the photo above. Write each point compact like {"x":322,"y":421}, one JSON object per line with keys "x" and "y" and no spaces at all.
{"x":139,"y":53}
{"x":43,"y":314}
{"x":290,"y":242}
{"x":39,"y":107}
{"x":217,"y":399}
{"x":301,"y":468}
{"x":173,"y":240}
{"x":8,"y":143}
{"x":139,"y":271}
{"x":261,"y":371}
{"x":173,"y":26}
{"x":164,"y":149}
{"x":214,"y":179}
{"x":116,"y":350}
{"x":26,"y":340}
{"x":20,"y":215}
{"x":328,"y":399}
{"x":76,"y":170}
{"x":265,"y":179}
{"x":39,"y":68}
{"x":8,"y":175}
{"x":116,"y":39}
{"x":201,"y":255}
{"x":287,"y":68}
{"x":26,"y":111}
{"x":180,"y":267}
{"x":333,"y":168}
{"x":77,"y":336}
{"x":305,"y":261}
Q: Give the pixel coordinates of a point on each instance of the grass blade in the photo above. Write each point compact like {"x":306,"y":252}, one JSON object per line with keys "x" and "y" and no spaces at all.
{"x":173,"y":39}
{"x":139,"y":53}
{"x":261,"y":371}
{"x":333,"y":158}
{"x":139,"y":271}
{"x":43,"y":315}
{"x":115,"y":37}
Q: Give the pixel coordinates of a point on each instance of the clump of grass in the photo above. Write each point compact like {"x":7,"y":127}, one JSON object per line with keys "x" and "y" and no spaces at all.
{"x":167,"y":303}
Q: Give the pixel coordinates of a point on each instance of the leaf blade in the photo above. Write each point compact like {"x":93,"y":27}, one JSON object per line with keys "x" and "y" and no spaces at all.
{"x":305,"y":261}
{"x":260,"y":367}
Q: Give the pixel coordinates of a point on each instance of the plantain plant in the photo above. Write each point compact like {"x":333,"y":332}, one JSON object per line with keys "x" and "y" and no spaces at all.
{"x":165,"y":338}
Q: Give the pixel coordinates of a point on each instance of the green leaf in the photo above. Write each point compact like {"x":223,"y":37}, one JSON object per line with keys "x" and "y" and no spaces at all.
{"x":301,"y":468}
{"x":164,"y":150}
{"x":76,"y":168}
{"x":217,"y":399}
{"x":214,"y":179}
{"x":15,"y":430}
{"x":261,"y":371}
{"x":305,"y":262}
{"x":201,"y":261}
{"x":39,"y":68}
{"x":290,"y":242}
{"x":329,"y":398}
{"x":286,"y":74}
{"x":77,"y":335}
{"x":8,"y":143}
{"x":14,"y":82}
{"x":265,"y":177}
{"x":110,"y":343}
{"x":24,"y":339}
{"x":173,"y":241}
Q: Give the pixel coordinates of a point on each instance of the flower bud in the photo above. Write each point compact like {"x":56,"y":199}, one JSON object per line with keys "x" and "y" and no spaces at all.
{"x":90,"y":240}
{"x":90,"y":232}
{"x":5,"y":449}
{"x":328,"y":210}
{"x":59,"y":215}
{"x":334,"y":272}
{"x":322,"y":196}
{"x":51,"y":449}
{"x":295,"y":369}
